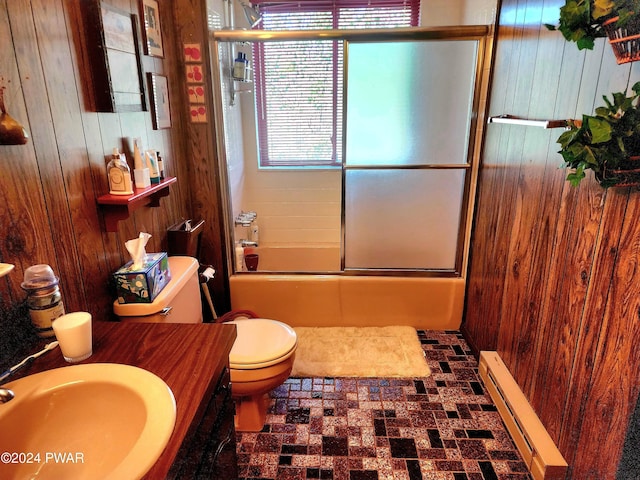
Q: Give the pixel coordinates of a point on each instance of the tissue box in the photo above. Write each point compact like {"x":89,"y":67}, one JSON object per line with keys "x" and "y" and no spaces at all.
{"x":144,"y":284}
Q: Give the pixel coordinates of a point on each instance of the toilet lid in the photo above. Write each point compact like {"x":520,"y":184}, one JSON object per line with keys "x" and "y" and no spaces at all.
{"x":261,"y":342}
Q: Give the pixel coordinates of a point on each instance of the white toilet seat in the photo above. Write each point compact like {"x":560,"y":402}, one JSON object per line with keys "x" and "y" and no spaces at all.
{"x":261,"y":343}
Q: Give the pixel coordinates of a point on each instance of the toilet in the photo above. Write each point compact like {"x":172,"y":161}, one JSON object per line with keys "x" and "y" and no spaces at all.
{"x":261,"y":357}
{"x":260,"y":360}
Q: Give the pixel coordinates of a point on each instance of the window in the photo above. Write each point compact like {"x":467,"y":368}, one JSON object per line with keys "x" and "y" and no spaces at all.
{"x":299,"y":83}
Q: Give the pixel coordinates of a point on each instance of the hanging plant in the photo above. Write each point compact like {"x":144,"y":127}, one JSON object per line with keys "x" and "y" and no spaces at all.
{"x":607,"y":143}
{"x":582,"y":21}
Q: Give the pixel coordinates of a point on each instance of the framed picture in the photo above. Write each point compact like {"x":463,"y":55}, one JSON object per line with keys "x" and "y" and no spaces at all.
{"x":160,"y":111}
{"x":113,"y":47}
{"x":152,"y":32}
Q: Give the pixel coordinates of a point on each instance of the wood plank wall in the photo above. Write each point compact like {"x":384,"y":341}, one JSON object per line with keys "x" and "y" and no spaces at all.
{"x":554,"y":283}
{"x":48,"y":211}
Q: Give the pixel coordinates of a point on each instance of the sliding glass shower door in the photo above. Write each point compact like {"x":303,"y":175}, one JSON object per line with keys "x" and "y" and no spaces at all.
{"x":398,"y":198}
{"x":409,"y":108}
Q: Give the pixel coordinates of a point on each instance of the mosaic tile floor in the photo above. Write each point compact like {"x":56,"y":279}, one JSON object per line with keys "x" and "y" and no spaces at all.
{"x":442,"y":427}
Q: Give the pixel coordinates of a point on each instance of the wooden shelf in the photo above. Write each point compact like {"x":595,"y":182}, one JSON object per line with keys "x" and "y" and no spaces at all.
{"x":119,"y":207}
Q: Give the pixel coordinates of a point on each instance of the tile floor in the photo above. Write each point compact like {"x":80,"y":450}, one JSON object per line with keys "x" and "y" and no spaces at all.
{"x":442,"y":427}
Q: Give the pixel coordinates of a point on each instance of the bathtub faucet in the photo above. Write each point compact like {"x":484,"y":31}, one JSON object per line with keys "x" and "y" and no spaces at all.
{"x":248,"y":243}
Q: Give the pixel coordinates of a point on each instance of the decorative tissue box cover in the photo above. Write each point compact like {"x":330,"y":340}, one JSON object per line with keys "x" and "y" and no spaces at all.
{"x":143,"y":285}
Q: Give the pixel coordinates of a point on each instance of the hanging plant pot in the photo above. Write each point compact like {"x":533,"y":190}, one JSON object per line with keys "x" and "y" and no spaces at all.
{"x":624,"y":39}
{"x":629,"y":176}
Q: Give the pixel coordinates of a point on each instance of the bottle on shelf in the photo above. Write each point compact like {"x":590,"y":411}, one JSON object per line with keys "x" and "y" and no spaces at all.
{"x":119,"y":175}
{"x":140,"y":171}
{"x":160,"y":165}
{"x":240,"y":66}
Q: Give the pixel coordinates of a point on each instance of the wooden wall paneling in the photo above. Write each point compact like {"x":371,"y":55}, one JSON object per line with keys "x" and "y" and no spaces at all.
{"x":614,"y":386}
{"x":577,"y":270}
{"x":61,"y":78}
{"x":593,"y":316}
{"x":22,"y":202}
{"x":578,"y":240}
{"x":525,"y":185}
{"x":562,"y":302}
{"x":204,"y":187}
{"x":547,"y":94}
{"x":482,"y":274}
{"x":533,"y":246}
{"x":502,"y":200}
{"x":43,"y":134}
{"x":175,"y":153}
{"x":574,"y":421}
{"x":553,"y":208}
{"x":486,"y":278}
{"x":563,"y":335}
{"x":92,"y":135}
{"x":510,"y":202}
{"x":25,"y":238}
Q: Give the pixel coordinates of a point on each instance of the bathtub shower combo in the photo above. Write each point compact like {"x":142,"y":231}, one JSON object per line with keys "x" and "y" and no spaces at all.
{"x":380,"y":236}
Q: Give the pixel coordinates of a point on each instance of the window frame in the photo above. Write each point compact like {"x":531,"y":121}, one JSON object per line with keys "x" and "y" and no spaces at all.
{"x":338,"y":9}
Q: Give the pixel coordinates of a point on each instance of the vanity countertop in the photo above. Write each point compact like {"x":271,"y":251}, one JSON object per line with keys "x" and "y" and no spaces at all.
{"x":188,"y":357}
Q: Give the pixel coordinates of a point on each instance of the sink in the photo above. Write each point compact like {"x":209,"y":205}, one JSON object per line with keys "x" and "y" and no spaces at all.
{"x":101,"y":420}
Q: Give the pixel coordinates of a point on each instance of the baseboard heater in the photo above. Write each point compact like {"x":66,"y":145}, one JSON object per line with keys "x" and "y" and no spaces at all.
{"x":533,"y":441}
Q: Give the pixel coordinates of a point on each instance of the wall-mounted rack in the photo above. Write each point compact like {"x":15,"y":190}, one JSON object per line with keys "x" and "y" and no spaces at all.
{"x":513,"y":120}
{"x":245,"y":218}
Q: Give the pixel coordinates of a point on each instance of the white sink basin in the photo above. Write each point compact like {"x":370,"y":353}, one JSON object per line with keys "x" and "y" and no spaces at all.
{"x":92,"y":421}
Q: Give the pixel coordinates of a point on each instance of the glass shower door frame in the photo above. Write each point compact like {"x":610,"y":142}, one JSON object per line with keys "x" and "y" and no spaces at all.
{"x":480,"y":33}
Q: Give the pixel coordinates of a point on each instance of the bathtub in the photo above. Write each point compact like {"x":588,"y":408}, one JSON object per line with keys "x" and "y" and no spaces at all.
{"x":305,"y":300}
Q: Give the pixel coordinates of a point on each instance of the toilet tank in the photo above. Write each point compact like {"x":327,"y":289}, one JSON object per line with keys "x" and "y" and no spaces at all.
{"x":178,"y":302}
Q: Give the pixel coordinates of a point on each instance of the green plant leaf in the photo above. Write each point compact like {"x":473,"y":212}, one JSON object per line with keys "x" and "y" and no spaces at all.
{"x":610,"y":107}
{"x":601,"y":8}
{"x":589,"y":157}
{"x":567,"y":137}
{"x":600,"y":130}
{"x":576,"y":176}
{"x":585,"y":43}
{"x":619,"y":99}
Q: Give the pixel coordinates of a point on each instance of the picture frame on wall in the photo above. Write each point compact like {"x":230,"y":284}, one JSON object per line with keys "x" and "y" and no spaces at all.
{"x":114,"y":52}
{"x":152,"y":31}
{"x":160,"y":108}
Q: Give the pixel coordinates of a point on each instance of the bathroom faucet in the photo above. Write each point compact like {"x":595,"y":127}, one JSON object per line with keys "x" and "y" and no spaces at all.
{"x":6,"y":395}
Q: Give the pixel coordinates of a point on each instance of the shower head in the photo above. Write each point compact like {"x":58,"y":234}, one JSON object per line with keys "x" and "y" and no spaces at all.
{"x":252,"y":15}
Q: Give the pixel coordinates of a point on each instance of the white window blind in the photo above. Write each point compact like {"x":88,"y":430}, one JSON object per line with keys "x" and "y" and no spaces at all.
{"x":299,"y":84}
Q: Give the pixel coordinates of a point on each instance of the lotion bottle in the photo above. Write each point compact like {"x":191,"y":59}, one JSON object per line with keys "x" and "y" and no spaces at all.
{"x":152,"y":163}
{"x":119,"y":175}
{"x":239,"y":254}
{"x":140,"y":172}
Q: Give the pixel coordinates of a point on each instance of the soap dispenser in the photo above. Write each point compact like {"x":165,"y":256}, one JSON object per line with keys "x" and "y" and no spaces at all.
{"x":119,"y":175}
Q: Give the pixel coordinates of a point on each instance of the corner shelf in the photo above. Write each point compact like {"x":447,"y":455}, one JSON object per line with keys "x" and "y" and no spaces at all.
{"x":119,"y":207}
